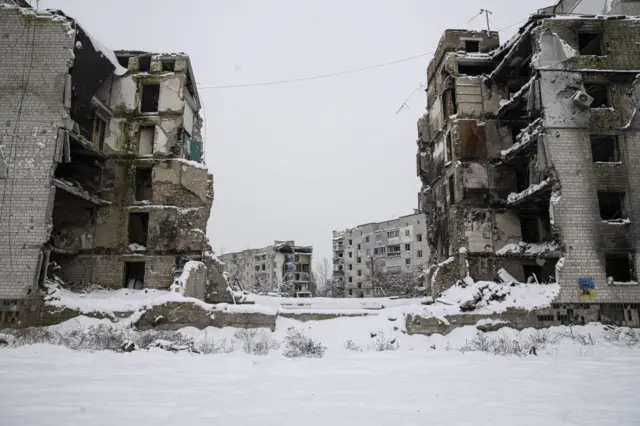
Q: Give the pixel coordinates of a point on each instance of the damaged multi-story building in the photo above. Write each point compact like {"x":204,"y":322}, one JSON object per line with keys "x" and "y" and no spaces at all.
{"x":380,"y":258}
{"x":281,"y":268}
{"x":527,"y":153}
{"x":101,"y":173}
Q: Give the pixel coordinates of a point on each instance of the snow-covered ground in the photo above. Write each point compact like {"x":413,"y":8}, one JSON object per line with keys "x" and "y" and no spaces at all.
{"x":49,"y":385}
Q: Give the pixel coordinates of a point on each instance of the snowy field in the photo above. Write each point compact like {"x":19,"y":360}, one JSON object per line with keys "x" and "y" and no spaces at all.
{"x":48,"y":385}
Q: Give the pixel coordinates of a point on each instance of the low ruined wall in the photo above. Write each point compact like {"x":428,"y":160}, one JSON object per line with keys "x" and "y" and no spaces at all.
{"x":176,"y":315}
{"x":310,"y":316}
{"x":519,"y":319}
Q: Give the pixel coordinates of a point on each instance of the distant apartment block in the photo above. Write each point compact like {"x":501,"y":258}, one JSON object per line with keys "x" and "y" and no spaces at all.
{"x":283,"y":265}
{"x":370,"y":255}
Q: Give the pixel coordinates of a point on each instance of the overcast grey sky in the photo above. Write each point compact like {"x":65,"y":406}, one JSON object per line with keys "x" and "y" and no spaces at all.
{"x":295,"y":161}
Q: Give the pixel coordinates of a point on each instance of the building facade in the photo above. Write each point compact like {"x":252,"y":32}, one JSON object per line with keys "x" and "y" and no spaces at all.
{"x":101,"y":170}
{"x":283,"y":268}
{"x":378,"y":259}
{"x":527,"y":155}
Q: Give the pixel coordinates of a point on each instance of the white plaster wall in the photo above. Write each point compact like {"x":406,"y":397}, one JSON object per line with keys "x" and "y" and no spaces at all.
{"x":172,"y":93}
{"x":123,"y":94}
{"x":188,"y":118}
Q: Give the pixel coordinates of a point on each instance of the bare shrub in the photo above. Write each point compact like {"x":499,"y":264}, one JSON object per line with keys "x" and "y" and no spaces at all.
{"x":351,"y":346}
{"x":621,"y":336}
{"x":209,"y":347}
{"x":384,"y":343}
{"x":256,"y":341}
{"x":583,"y":339}
{"x":297,"y":345}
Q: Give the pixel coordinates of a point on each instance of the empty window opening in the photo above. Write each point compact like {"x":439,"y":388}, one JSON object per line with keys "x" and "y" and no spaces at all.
{"x":144,"y":184}
{"x":620,"y":267}
{"x":611,"y":205}
{"x":359,"y":273}
{"x":407,"y":261}
{"x":419,"y":253}
{"x":138,"y":228}
{"x":359,"y":260}
{"x":605,"y":148}
{"x":350,"y":292}
{"x":99,"y":129}
{"x":350,"y":279}
{"x":145,"y":140}
{"x":393,"y":234}
{"x":600,"y":94}
{"x":449,"y":106}
{"x":472,"y":46}
{"x":452,"y":190}
{"x":144,"y":63}
{"x":123,"y":61}
{"x":379,"y":251}
{"x":134,"y":275}
{"x":516,"y":128}
{"x":359,"y":285}
{"x":418,"y":237}
{"x":475,"y":69}
{"x":351,"y":267}
{"x":169,"y":65}
{"x":150,"y":97}
{"x":590,"y":43}
{"x":449,"y":148}
{"x":407,"y":247}
{"x":366,"y":239}
{"x":350,"y":242}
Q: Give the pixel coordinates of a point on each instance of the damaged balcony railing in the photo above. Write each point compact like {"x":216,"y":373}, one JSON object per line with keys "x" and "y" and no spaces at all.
{"x":537,"y":191}
{"x":526,"y":140}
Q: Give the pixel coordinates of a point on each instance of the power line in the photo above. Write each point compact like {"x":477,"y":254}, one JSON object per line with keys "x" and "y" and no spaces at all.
{"x":335,"y":74}
{"x":316,"y":77}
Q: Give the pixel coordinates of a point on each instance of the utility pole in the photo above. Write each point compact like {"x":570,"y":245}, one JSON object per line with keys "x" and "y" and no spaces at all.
{"x":486,"y":14}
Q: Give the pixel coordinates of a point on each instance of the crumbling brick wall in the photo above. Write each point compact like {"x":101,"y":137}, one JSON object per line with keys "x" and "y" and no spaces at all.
{"x":36,"y":54}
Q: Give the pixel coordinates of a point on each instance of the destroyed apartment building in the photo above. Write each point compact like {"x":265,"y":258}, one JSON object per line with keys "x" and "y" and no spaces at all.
{"x":282,"y":268}
{"x":380,"y":258}
{"x":527,"y":155}
{"x":101,"y":173}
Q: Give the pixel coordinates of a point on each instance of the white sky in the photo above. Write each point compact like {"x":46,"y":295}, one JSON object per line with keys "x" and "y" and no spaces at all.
{"x":295,"y":161}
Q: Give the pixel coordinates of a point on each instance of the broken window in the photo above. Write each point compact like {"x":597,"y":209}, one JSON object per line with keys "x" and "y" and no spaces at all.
{"x":134,"y":275}
{"x":605,"y":148}
{"x":393,"y":234}
{"x":138,"y":228}
{"x":600,"y":94}
{"x":359,"y":246}
{"x":407,"y":247}
{"x":351,"y":267}
{"x":379,"y":250}
{"x":144,"y":183}
{"x":359,"y":260}
{"x":407,"y":233}
{"x":590,"y":43}
{"x":257,"y":268}
{"x":535,"y":229}
{"x":452,"y":190}
{"x":620,"y":267}
{"x":350,"y":292}
{"x":168,"y":65}
{"x":144,"y":63}
{"x":97,"y":135}
{"x":472,"y":46}
{"x":350,"y":254}
{"x":150,"y":97}
{"x":611,"y":205}
{"x":419,"y":253}
{"x":145,"y":140}
{"x":359,"y":273}
{"x":350,"y":242}
{"x":350,"y":279}
{"x":407,"y":261}
{"x":532,"y":274}
{"x":366,"y":239}
{"x":418,"y":237}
